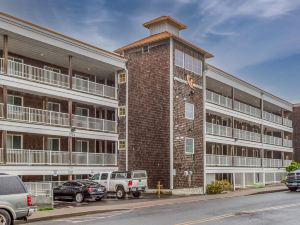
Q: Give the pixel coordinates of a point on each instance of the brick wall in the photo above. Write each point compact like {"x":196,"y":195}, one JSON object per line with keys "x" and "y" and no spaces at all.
{"x":296,"y":135}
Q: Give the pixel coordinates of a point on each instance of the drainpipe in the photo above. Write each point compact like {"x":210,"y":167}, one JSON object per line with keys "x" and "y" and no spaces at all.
{"x":127,"y":114}
{"x":171,"y":117}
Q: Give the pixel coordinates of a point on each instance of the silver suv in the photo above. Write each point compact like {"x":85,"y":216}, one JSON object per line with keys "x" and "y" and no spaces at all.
{"x":15,"y":201}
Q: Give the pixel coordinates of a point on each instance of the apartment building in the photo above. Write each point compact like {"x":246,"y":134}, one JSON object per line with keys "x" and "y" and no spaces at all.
{"x":58,"y":104}
{"x":189,"y":123}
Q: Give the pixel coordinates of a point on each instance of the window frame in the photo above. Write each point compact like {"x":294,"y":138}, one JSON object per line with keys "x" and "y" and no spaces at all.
{"x":175,"y":61}
{"x":185,"y":111}
{"x":119,"y":110}
{"x":82,"y":108}
{"x":54,"y":103}
{"x":81,"y":141}
{"x":16,"y":59}
{"x":12,"y":135}
{"x":16,"y":96}
{"x":185,"y":146}
{"x":52,"y":69}
{"x":121,"y":81}
{"x":52,"y":138}
{"x":121,"y":140}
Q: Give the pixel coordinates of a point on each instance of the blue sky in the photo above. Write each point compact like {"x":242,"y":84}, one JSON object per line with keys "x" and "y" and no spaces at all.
{"x":256,"y":40}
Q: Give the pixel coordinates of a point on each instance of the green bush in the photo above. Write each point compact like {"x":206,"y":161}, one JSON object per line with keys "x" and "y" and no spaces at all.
{"x":218,"y":186}
{"x":293,"y":166}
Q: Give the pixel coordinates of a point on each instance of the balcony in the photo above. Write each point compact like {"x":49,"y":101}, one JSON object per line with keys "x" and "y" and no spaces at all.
{"x":287,"y":122}
{"x":48,"y":77}
{"x":38,"y":116}
{"x":286,"y":163}
{"x":272,"y":117}
{"x":287,"y":143}
{"x":218,"y":99}
{"x":45,"y":157}
{"x":272,"y":140}
{"x":218,"y":160}
{"x":218,"y":130}
{"x":246,"y":161}
{"x":247,"y":109}
{"x":272,"y":163}
{"x":247,"y":135}
{"x":91,"y":123}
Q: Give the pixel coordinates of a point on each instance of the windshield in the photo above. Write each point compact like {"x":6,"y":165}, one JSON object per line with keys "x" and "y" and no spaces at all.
{"x":95,"y":177}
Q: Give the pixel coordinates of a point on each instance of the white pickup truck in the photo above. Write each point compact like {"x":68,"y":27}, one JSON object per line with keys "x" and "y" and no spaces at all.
{"x":123,"y":182}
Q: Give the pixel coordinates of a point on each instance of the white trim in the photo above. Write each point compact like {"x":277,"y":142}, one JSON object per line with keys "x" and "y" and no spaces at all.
{"x":204,"y":126}
{"x":121,"y":82}
{"x":185,"y":140}
{"x":171,"y":141}
{"x":12,"y":58}
{"x":123,"y":148}
{"x":82,"y":108}
{"x":119,"y":110}
{"x":53,"y":69}
{"x":185,"y":82}
{"x":187,"y":104}
{"x":18,"y":135}
{"x":82,"y":141}
{"x":16,"y":96}
{"x":127,"y":116}
{"x":53,"y":103}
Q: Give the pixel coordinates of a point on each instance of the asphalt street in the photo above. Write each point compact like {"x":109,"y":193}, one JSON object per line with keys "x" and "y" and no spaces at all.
{"x":262,"y":209}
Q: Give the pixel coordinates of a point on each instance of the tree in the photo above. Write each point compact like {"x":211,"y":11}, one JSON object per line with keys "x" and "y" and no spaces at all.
{"x":293,"y":166}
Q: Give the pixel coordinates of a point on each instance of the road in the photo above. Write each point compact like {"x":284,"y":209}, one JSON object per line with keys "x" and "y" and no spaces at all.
{"x":262,"y":209}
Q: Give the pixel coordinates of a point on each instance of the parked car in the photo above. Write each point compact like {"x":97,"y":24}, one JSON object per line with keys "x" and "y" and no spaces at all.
{"x":293,"y":180}
{"x":15,"y":201}
{"x":123,"y":182}
{"x":79,"y":191}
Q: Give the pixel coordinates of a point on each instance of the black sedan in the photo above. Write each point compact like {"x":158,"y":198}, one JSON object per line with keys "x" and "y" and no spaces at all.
{"x":79,"y":191}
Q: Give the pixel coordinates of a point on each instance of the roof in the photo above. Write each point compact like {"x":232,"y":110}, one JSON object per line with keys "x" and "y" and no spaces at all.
{"x":162,"y":36}
{"x":168,"y":19}
{"x":58,"y":34}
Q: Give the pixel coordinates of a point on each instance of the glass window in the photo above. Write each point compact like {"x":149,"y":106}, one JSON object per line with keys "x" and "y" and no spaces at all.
{"x":14,"y":100}
{"x":54,"y":144}
{"x":122,"y":78}
{"x":15,"y":59}
{"x":52,"y":69}
{"x":11,"y":185}
{"x":179,"y":58}
{"x":189,"y":145}
{"x":122,"y":145}
{"x":81,"y":146}
{"x":197,"y":66}
{"x":53,"y":106}
{"x":188,"y":62}
{"x":104,"y":176}
{"x":189,"y":111}
{"x":82,"y":111}
{"x":14,"y":141}
{"x":122,"y":111}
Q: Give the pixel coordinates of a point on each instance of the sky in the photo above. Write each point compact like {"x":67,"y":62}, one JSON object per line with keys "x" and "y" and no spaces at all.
{"x":255,"y":40}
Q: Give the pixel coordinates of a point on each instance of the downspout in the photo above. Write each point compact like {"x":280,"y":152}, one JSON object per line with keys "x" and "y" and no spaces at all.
{"x":204,"y":123}
{"x":171,"y":116}
{"x":126,"y":109}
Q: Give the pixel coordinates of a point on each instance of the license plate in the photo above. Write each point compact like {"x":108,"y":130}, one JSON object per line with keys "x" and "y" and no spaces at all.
{"x":99,"y":189}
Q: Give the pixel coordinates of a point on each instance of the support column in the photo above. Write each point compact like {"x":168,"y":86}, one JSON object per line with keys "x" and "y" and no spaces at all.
{"x":4,"y":89}
{"x":70,"y":149}
{"x":70,"y":138}
{"x":105,"y":117}
{"x":70,"y":71}
{"x":232,"y":94}
{"x":5,"y":54}
{"x":70,"y":112}
{"x":4,"y":138}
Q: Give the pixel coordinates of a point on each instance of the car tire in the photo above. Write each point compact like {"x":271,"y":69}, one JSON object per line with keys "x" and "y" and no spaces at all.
{"x":120,"y":193}
{"x":98,"y":199}
{"x":293,"y":189}
{"x":79,"y":198}
{"x":136,"y":194}
{"x":5,"y":218}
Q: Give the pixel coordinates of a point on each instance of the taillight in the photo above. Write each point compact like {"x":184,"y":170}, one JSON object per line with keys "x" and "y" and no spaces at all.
{"x":90,"y":190}
{"x":130,"y":183}
{"x":28,"y":200}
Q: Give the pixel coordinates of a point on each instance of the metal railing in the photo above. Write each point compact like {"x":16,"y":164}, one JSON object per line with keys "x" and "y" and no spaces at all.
{"x":37,"y":74}
{"x":247,"y":161}
{"x":219,"y":130}
{"x":272,"y":117}
{"x":33,"y":115}
{"x":287,"y":122}
{"x":218,"y":160}
{"x":287,"y":143}
{"x":286,"y":162}
{"x":272,"y":163}
{"x":272,"y":140}
{"x":93,"y":88}
{"x":85,"y":158}
{"x":91,"y":123}
{"x":1,"y":156}
{"x":218,"y":99}
{"x":247,"y":109}
{"x":247,"y":135}
{"x":39,"y":189}
{"x":1,"y":110}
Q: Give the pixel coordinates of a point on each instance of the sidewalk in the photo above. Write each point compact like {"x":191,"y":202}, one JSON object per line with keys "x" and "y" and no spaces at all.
{"x":79,"y":211}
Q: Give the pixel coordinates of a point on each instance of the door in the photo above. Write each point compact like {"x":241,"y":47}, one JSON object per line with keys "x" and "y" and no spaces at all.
{"x":104,"y":180}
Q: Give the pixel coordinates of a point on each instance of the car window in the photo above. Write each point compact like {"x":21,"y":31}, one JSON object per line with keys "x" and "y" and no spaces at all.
{"x":11,"y":185}
{"x":104,"y":176}
{"x":95,"y":177}
{"x":67,"y":184}
{"x":139,"y":175}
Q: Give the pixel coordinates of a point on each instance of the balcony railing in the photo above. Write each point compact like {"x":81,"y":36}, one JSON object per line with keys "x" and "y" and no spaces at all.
{"x":287,"y":143}
{"x":272,"y":117}
{"x":286,"y":163}
{"x":247,"y":109}
{"x":91,"y":123}
{"x":218,"y":160}
{"x":39,"y":116}
{"x":247,"y":135}
{"x":272,"y":140}
{"x":46,"y":157}
{"x":218,"y":130}
{"x":218,"y":99}
{"x":287,"y":122}
{"x":1,"y":110}
{"x":247,"y":161}
{"x":272,"y":163}
{"x":93,"y":88}
{"x":1,"y":156}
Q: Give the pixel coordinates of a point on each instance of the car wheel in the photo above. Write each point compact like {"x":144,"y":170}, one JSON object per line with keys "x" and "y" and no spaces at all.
{"x":98,"y":199}
{"x":4,"y":217}
{"x":120,"y":193}
{"x":293,"y":188}
{"x":136,"y":194}
{"x":79,"y":198}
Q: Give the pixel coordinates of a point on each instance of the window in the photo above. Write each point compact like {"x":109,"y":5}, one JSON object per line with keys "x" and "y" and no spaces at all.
{"x":14,"y":100}
{"x":121,"y":145}
{"x":188,"y":62}
{"x":122,"y":111}
{"x":189,"y":111}
{"x":82,"y":111}
{"x":197,"y":66}
{"x":18,"y":60}
{"x":14,"y":141}
{"x":54,"y":144}
{"x":179,"y":58}
{"x":104,"y":176}
{"x":53,"y":106}
{"x":52,"y":69}
{"x":81,"y":146}
{"x":11,"y":185}
{"x":122,"y":78}
{"x":189,"y":145}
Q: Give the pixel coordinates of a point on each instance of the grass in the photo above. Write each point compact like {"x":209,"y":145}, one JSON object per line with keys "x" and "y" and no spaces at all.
{"x":45,"y":209}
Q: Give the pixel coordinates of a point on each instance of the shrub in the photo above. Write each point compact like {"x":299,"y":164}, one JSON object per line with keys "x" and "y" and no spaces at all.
{"x":293,"y":166}
{"x":218,"y":186}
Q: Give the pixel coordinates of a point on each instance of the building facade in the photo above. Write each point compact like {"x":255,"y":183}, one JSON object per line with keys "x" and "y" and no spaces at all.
{"x":296,"y":126}
{"x":59,"y":102}
{"x":190,"y":123}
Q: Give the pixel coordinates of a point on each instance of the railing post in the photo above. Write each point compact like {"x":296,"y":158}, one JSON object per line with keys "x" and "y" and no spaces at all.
{"x":5,"y":54}
{"x":70,"y":72}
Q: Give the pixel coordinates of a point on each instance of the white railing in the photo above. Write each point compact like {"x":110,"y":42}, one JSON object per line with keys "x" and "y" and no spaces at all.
{"x":247,"y":109}
{"x":1,"y":156}
{"x":219,"y":130}
{"x":218,"y":160}
{"x":286,"y":162}
{"x":1,"y":110}
{"x":272,"y":117}
{"x":85,"y":158}
{"x":37,"y":157}
{"x":272,"y":140}
{"x":247,"y":161}
{"x":39,"y":188}
{"x":32,"y":115}
{"x":37,"y":74}
{"x":287,"y":143}
{"x":94,"y":123}
{"x":93,"y":88}
{"x":218,"y":99}
{"x":1,"y":65}
{"x":272,"y":163}
{"x":247,"y":135}
{"x":287,"y":122}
